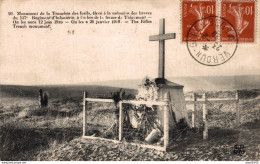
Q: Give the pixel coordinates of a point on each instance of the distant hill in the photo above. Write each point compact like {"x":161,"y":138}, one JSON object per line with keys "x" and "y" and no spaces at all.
{"x":216,"y":83}
{"x":196,"y":83}
{"x":58,"y":91}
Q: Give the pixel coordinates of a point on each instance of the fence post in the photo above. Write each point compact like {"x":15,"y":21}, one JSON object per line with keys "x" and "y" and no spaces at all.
{"x":237,"y":111}
{"x":205,"y":114}
{"x":121,"y":116}
{"x":84,"y":114}
{"x":166,"y":120}
{"x":193,"y":111}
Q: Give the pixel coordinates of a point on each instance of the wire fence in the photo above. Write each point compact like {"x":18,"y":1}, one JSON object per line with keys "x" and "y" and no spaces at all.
{"x":147,"y":122}
{"x":218,"y":113}
{"x":102,"y":120}
{"x":221,"y":115}
{"x":137,"y":122}
{"x":142,"y":124}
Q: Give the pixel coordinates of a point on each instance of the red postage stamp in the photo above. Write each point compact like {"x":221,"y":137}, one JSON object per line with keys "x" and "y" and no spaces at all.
{"x":196,"y":11}
{"x":241,"y":15}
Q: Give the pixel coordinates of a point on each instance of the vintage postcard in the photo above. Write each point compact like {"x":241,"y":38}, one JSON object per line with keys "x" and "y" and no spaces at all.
{"x":125,"y":80}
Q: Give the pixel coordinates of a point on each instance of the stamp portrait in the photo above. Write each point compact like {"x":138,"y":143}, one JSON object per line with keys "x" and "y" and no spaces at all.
{"x":193,"y":11}
{"x":241,"y":14}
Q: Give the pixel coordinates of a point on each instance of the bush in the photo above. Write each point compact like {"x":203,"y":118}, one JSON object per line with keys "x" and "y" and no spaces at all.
{"x":248,"y":94}
{"x":44,"y":111}
{"x":16,"y":139}
{"x":19,"y":141}
{"x":38,"y":112}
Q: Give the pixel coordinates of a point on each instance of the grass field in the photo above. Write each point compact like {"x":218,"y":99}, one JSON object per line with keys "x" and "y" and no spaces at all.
{"x":28,"y":132}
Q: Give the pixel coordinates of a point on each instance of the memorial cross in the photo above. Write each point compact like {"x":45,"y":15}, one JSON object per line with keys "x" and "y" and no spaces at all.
{"x":161,"y":38}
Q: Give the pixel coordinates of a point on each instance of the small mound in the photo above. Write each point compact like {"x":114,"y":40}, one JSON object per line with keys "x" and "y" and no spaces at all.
{"x":81,"y":149}
{"x":255,"y":124}
{"x":24,"y":113}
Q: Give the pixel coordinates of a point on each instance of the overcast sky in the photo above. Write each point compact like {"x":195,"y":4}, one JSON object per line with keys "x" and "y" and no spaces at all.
{"x":103,"y":52}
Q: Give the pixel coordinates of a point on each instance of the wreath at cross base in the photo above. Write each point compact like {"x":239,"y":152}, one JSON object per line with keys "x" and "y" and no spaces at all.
{"x":145,"y":115}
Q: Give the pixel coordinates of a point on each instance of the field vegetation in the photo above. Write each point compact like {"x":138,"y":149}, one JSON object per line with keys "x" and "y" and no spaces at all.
{"x":28,"y":132}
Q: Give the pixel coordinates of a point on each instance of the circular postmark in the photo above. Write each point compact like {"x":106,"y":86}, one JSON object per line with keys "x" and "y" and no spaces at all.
{"x":203,"y":40}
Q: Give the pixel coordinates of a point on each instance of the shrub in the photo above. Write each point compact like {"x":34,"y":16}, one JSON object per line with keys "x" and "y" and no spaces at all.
{"x":17,"y":139}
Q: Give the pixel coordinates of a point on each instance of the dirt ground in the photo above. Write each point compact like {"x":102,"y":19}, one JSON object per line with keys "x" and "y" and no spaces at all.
{"x":53,"y":134}
{"x":216,"y":148}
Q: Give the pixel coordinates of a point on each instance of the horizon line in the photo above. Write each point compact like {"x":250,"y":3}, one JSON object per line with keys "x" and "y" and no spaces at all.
{"x":91,"y":83}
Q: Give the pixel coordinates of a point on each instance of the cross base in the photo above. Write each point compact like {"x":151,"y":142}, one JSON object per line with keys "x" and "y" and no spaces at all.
{"x":160,"y":81}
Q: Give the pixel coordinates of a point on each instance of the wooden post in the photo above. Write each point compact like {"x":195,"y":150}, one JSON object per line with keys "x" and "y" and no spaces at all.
{"x":84,"y":114}
{"x":40,"y":98}
{"x":205,"y":121}
{"x":193,"y":111}
{"x":166,"y":120}
{"x":237,"y":111}
{"x":121,"y":116}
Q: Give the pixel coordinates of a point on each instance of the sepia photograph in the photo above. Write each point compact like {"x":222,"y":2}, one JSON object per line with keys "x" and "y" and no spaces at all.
{"x":129,"y":80}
